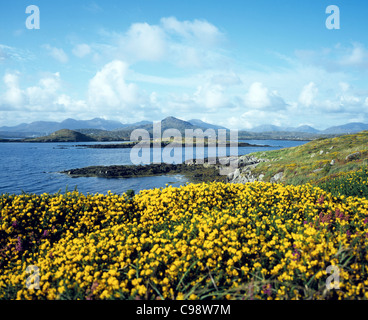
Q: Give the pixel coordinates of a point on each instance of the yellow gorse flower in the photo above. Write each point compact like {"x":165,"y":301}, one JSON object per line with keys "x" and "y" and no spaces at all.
{"x":258,"y":240}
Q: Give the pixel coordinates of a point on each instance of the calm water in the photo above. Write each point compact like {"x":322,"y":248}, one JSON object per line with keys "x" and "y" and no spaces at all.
{"x":34,"y":167}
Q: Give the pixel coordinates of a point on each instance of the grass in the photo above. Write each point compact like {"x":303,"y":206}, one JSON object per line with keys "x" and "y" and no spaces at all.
{"x":312,"y":161}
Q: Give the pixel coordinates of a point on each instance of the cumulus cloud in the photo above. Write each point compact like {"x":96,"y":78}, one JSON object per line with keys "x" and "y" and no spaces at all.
{"x":260,"y":97}
{"x":44,"y":97}
{"x":308,"y":94}
{"x":13,"y":96}
{"x":109,"y":90}
{"x":211,"y":96}
{"x":142,"y":42}
{"x":57,"y":53}
{"x":181,"y":43}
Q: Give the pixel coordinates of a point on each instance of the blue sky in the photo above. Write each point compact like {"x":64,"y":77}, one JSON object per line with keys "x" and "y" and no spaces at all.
{"x":233,"y":63}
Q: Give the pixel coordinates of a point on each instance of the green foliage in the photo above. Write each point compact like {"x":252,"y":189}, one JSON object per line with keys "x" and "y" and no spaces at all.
{"x":353,"y":183}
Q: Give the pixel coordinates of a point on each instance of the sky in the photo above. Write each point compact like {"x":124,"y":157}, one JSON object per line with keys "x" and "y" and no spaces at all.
{"x":234,"y":63}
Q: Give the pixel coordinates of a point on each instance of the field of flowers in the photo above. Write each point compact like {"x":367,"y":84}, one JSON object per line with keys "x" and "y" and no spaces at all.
{"x":199,"y":241}
{"x":351,"y":183}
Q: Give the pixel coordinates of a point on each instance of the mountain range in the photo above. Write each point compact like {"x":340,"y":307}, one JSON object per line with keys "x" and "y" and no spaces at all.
{"x":115,"y":129}
{"x":97,"y":126}
{"x":352,"y":127}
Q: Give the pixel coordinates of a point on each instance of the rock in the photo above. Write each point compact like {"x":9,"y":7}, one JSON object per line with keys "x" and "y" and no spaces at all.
{"x":321,"y":152}
{"x":277,"y":177}
{"x":317,"y":170}
{"x":332,"y":162}
{"x":261,"y":176}
{"x":236,"y":174}
{"x":353,"y":156}
{"x":312,"y":155}
{"x":230,"y":176}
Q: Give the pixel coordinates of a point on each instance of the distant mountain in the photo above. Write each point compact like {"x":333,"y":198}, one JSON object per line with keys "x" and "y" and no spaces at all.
{"x":267,"y":128}
{"x":205,"y":125}
{"x":273,"y":128}
{"x":47,"y":127}
{"x":102,"y":129}
{"x":96,"y":123}
{"x":352,"y":127}
{"x":306,"y":129}
{"x":167,"y":123}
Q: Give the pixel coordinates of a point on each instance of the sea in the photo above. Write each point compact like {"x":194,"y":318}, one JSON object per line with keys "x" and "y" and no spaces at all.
{"x":35,"y":167}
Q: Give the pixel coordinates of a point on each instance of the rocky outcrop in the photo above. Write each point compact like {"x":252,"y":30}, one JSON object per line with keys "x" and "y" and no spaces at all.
{"x":242,"y":170}
{"x":353,"y":156}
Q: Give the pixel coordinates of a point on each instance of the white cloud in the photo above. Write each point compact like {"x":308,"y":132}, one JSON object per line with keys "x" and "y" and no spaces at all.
{"x":196,"y":31}
{"x":57,"y":53}
{"x":13,"y":96}
{"x":180,"y":43}
{"x":210,"y":96}
{"x":45,"y":92}
{"x":260,"y":97}
{"x":143,"y":42}
{"x":45,"y":98}
{"x":81,"y":50}
{"x":308,"y":95}
{"x":108,"y":90}
{"x":356,"y":56}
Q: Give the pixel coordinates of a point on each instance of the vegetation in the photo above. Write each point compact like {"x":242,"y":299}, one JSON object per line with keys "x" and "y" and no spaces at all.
{"x":200,"y":241}
{"x":213,"y":240}
{"x":316,"y":159}
{"x":63,"y":135}
{"x":351,"y":184}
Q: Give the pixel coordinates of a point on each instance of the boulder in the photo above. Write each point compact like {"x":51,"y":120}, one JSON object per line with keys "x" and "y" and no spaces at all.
{"x":353,"y":156}
{"x":277,"y":177}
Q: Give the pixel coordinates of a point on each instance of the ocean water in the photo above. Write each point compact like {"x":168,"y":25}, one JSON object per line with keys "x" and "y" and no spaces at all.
{"x":35,"y":167}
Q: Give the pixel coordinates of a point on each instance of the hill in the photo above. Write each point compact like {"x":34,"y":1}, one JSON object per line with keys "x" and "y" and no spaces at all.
{"x":202,"y":124}
{"x":353,"y":127}
{"x":63,"y":135}
{"x":310,"y":162}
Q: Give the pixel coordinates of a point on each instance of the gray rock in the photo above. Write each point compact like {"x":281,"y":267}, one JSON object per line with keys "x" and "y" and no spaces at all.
{"x":236,"y":174}
{"x":230,"y":176}
{"x":353,"y":156}
{"x":277,"y":177}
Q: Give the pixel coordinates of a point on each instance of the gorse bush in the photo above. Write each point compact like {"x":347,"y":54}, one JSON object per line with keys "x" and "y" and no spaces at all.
{"x":353,"y":183}
{"x":199,"y":241}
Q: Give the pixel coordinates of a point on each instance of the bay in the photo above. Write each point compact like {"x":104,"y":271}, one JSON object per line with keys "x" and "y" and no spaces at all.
{"x":35,"y":167}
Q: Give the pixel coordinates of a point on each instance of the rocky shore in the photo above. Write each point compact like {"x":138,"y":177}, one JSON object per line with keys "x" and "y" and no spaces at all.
{"x":194,"y":173}
{"x":230,"y":169}
{"x":163,"y":144}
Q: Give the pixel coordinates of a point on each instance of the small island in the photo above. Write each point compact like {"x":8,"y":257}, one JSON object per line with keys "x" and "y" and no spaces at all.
{"x":151,"y":144}
{"x":194,"y":173}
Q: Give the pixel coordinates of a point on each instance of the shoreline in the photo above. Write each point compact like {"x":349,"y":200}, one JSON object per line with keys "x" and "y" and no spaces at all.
{"x":224,"y":169}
